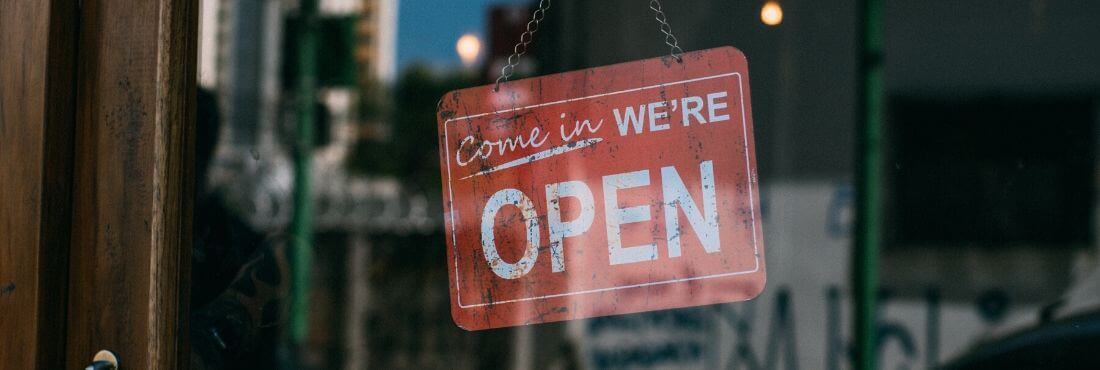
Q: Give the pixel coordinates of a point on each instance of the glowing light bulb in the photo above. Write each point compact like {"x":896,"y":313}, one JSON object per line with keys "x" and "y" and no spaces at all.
{"x":468,"y":47}
{"x":771,"y":14}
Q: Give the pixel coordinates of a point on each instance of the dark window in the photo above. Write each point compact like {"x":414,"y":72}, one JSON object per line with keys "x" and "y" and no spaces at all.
{"x":990,"y":172}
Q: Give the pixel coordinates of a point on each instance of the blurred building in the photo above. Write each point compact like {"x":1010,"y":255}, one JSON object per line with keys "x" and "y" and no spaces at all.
{"x":365,"y":223}
{"x":377,"y":31}
{"x":245,"y":58}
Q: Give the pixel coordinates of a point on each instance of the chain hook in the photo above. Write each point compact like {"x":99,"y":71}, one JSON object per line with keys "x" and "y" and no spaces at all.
{"x":528,"y":35}
{"x":665,"y":28}
{"x":521,"y":47}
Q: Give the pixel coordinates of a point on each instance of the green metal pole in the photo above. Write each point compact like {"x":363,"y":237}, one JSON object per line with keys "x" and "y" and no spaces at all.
{"x":868,"y":183}
{"x":302,"y":223}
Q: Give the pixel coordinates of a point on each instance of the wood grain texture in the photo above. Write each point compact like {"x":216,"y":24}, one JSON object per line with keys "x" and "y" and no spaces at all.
{"x":36,"y":130}
{"x":133,"y":182}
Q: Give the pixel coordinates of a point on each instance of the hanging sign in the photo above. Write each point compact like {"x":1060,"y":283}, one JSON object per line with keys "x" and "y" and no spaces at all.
{"x":604,"y":191}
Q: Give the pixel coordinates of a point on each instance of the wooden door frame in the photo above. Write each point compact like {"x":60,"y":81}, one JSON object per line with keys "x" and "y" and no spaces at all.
{"x":97,"y":111}
{"x":37,"y":78}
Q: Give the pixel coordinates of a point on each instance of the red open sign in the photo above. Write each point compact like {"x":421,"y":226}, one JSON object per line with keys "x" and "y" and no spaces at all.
{"x":610,"y":190}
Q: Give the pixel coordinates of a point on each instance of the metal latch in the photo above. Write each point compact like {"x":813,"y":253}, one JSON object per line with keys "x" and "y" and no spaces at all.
{"x":104,"y":360}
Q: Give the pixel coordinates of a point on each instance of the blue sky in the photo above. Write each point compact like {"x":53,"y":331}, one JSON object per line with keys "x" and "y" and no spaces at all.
{"x":427,"y":29}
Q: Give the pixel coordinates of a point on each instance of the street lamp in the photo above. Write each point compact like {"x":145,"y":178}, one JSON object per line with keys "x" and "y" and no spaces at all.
{"x":771,"y":14}
{"x":468,"y":47}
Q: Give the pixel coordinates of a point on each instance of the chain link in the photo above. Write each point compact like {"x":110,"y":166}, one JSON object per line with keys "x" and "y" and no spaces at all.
{"x":528,"y":35}
{"x":521,"y":47}
{"x":670,"y":40}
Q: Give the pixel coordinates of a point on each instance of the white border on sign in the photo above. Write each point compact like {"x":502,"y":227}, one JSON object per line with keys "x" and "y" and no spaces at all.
{"x":748,"y":178}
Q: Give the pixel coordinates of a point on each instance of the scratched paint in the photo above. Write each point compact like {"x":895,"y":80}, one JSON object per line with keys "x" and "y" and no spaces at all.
{"x":610,"y":190}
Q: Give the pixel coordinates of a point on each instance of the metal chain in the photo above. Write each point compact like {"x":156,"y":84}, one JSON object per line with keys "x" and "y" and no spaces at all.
{"x":670,"y":40}
{"x":528,"y":35}
{"x":524,"y":39}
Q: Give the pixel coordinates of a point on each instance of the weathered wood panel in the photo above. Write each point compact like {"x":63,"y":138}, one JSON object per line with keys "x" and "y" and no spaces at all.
{"x":132,"y":184}
{"x":36,"y":125}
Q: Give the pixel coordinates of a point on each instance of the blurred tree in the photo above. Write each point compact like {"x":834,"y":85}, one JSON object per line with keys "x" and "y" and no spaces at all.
{"x":410,"y":152}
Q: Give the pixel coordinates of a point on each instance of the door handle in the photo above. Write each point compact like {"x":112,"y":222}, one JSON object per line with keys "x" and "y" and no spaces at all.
{"x":104,"y":360}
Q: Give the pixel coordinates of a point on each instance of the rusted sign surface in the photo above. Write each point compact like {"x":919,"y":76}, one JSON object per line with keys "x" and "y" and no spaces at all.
{"x":611,"y":190}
